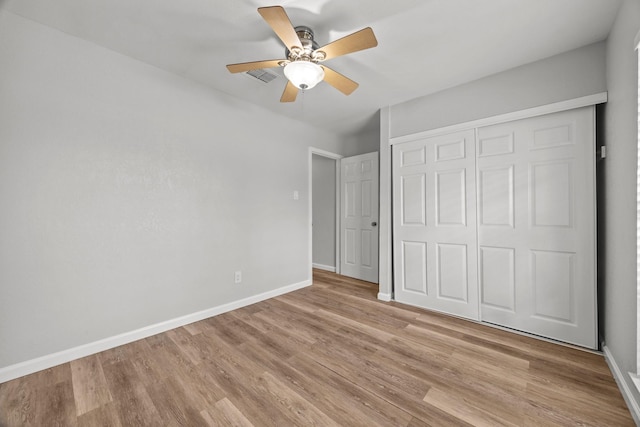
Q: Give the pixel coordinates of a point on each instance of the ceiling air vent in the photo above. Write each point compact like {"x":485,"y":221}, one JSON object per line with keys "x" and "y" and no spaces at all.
{"x":262,"y":75}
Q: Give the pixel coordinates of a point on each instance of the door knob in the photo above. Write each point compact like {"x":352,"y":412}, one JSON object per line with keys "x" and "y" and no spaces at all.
{"x":373,"y":224}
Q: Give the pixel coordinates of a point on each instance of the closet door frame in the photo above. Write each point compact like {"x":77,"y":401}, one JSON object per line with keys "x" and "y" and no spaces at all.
{"x":387,"y":282}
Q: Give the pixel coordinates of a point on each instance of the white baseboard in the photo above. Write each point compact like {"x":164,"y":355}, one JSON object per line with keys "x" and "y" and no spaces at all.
{"x":324,"y":267}
{"x":45,"y":362}
{"x":384,"y":297}
{"x":632,"y":404}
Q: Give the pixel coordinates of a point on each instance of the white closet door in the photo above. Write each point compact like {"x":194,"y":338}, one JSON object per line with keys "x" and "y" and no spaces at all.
{"x":434,"y":207}
{"x":536,"y":225}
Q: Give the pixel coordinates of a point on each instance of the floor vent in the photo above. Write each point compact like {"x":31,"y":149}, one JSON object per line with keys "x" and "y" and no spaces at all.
{"x":262,"y":75}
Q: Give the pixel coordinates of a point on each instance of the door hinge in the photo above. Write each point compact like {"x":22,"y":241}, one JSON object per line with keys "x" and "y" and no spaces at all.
{"x":602,"y":152}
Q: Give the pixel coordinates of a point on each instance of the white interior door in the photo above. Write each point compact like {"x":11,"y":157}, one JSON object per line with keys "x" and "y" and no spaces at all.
{"x":536,"y":225}
{"x":359,"y":217}
{"x":434,"y":209}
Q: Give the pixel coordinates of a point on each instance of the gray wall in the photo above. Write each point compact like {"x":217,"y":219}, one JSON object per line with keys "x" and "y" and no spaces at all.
{"x":366,"y":141}
{"x":130,"y":195}
{"x":566,"y":76}
{"x":324,"y":211}
{"x":619,"y":307}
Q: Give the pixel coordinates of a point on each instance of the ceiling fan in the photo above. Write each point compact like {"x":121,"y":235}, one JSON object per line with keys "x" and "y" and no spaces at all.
{"x":303,"y":55}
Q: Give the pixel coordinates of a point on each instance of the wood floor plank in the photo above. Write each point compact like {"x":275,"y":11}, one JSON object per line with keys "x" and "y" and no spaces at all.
{"x":418,"y":360}
{"x":115,"y":355}
{"x":18,"y":402}
{"x":326,"y":390}
{"x":173,"y":404}
{"x":195,"y":328}
{"x":296,"y":321}
{"x":292,"y":338}
{"x":477,"y":416}
{"x":328,"y":354}
{"x":386,"y":381}
{"x":244,"y":388}
{"x":492,"y":371}
{"x":551,"y":404}
{"x":185,"y":342}
{"x":131,"y":399}
{"x":283,"y":346}
{"x":372,"y":306}
{"x":224,"y":413}
{"x":240,"y":378}
{"x":55,"y":405}
{"x":332,"y":303}
{"x":366,"y":329}
{"x":303,"y":411}
{"x":90,"y":387}
{"x":476,"y":388}
{"x":173,"y":360}
{"x":53,"y":376}
{"x":478,"y":352}
{"x":149,"y":365}
{"x":105,"y":415}
{"x":231,"y":414}
{"x":292,"y":300}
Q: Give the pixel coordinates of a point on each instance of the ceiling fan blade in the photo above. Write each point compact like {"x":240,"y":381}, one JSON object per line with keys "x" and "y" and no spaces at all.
{"x":340,"y":82}
{"x":280,"y":23}
{"x":248,"y":66}
{"x":360,"y":40}
{"x":290,"y":93}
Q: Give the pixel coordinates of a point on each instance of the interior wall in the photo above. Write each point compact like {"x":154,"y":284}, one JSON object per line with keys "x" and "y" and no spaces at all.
{"x":619,"y":307}
{"x":570,"y":75}
{"x":324,"y":211}
{"x":130,"y":195}
{"x":364,"y":142}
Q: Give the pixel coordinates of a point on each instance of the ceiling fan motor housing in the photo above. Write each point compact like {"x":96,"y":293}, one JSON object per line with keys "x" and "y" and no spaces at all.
{"x":309,"y":45}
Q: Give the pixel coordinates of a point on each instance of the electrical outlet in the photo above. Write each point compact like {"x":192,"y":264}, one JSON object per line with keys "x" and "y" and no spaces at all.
{"x":238,"y":276}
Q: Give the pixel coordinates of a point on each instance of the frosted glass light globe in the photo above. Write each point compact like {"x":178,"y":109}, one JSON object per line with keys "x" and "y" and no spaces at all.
{"x":304,"y":74}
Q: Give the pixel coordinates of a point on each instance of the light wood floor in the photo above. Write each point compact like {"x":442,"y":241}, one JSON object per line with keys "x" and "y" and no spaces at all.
{"x":330,"y":354}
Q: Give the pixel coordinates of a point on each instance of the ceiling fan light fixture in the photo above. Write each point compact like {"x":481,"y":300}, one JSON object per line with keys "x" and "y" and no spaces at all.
{"x":304,"y":74}
{"x":303,"y":54}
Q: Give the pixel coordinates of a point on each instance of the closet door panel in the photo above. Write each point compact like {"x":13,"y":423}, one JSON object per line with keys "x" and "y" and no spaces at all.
{"x":497,"y":278}
{"x":536,"y":198}
{"x":451,"y":272}
{"x":495,"y":196}
{"x":435,"y":248}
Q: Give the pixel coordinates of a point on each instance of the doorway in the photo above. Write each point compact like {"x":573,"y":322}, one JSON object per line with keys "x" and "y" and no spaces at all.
{"x":343,"y":214}
{"x":324,"y":202}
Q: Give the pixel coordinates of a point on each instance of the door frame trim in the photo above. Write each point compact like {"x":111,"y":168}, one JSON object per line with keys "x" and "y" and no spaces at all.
{"x":337,"y":158}
{"x":571,"y":104}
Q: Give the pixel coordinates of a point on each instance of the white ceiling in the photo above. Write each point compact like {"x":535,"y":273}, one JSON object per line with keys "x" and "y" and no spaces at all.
{"x":424,"y":45}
